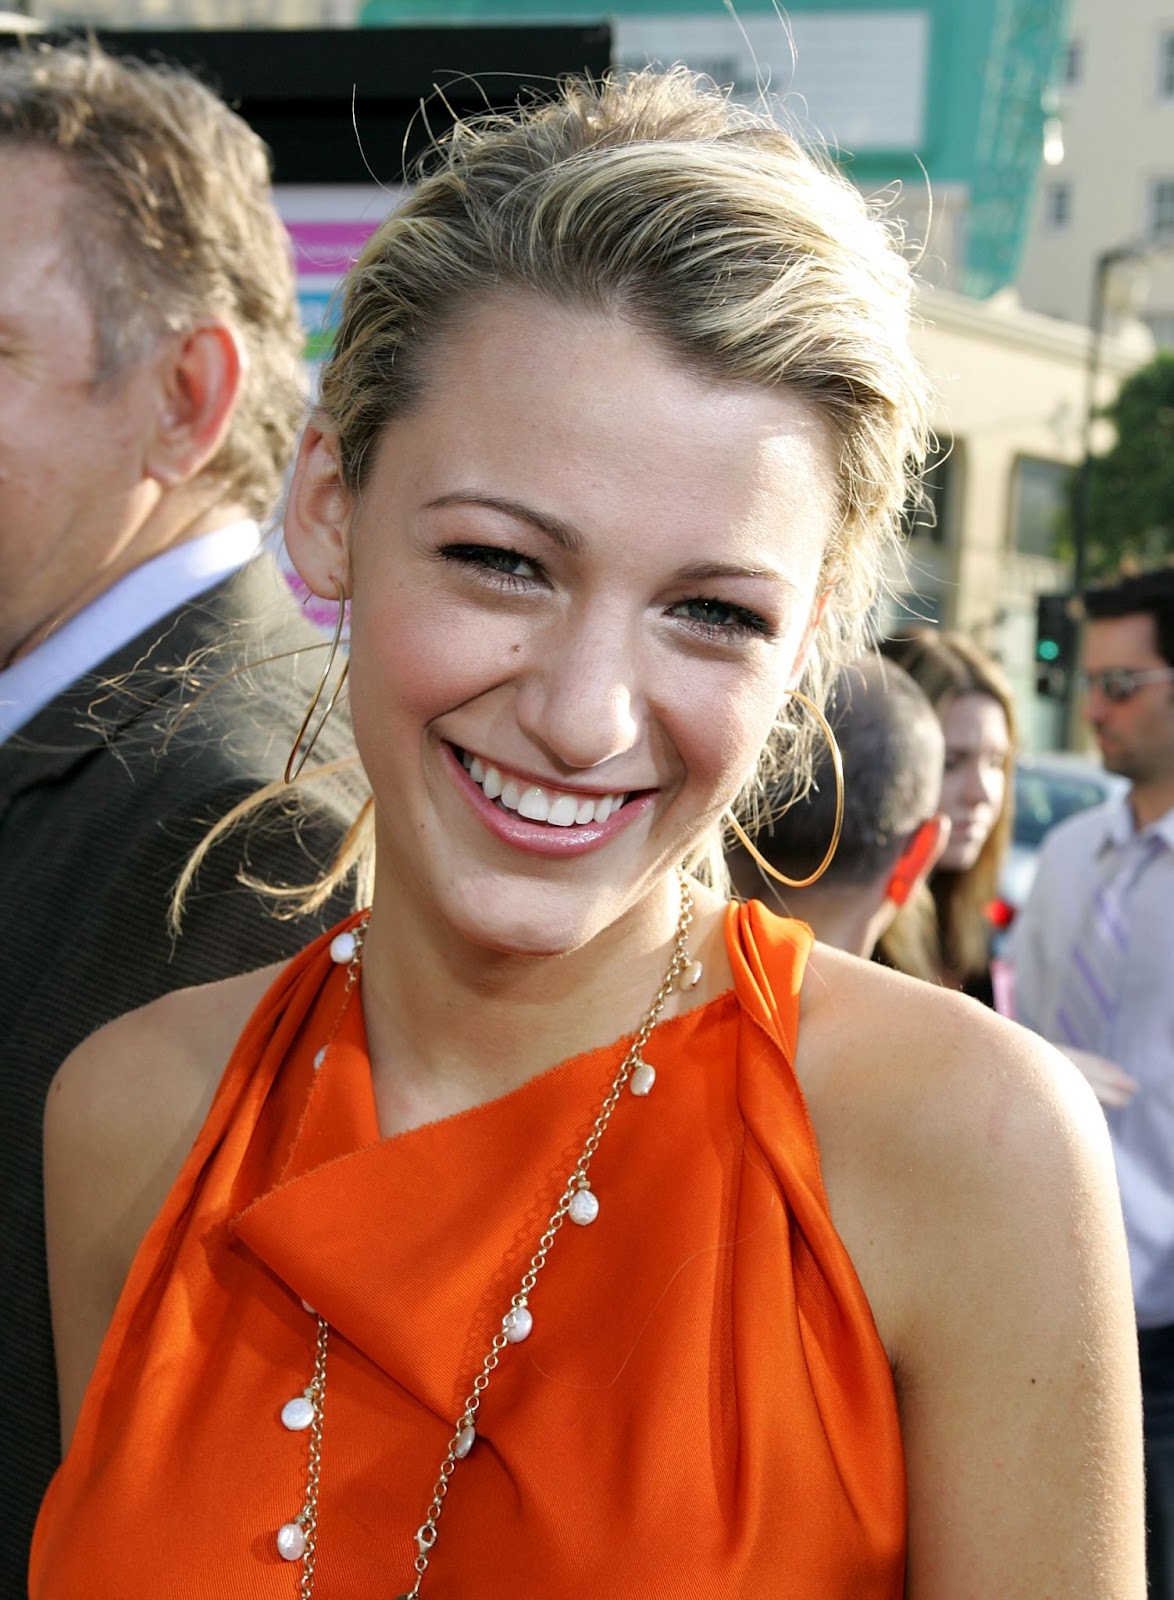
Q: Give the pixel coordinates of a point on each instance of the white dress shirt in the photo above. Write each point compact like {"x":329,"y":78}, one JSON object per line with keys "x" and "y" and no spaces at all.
{"x":119,"y":615}
{"x":1076,"y":858}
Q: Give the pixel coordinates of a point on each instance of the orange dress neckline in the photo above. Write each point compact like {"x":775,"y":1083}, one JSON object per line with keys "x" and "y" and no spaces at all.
{"x":703,"y":1408}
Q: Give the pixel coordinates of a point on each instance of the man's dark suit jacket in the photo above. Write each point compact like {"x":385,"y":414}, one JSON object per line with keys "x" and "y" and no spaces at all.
{"x":103,"y":795}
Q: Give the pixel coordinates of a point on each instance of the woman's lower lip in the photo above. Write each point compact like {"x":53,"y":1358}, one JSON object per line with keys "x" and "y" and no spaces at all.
{"x":539,"y":838}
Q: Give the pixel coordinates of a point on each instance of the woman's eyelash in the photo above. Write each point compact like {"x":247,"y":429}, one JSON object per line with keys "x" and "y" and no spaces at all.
{"x":704,"y":615}
{"x":719,"y":619}
{"x":494,"y":564}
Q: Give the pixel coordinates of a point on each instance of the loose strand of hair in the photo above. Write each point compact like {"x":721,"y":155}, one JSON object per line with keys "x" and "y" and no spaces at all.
{"x":298,"y":899}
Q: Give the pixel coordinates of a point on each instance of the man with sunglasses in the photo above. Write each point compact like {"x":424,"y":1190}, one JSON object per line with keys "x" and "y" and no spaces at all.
{"x":1093,"y":950}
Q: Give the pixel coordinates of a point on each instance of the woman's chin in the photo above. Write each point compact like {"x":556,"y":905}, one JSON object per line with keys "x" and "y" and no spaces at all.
{"x":962,"y":858}
{"x":526,"y":922}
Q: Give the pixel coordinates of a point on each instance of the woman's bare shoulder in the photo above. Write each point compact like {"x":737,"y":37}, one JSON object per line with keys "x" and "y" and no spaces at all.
{"x":151,"y":1071}
{"x":969,"y":1174}
{"x":896,"y":1041}
{"x":935,"y":1114}
{"x":122,"y":1114}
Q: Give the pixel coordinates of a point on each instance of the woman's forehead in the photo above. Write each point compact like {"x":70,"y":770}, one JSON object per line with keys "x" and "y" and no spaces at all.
{"x":584,"y":417}
{"x":973,"y":717}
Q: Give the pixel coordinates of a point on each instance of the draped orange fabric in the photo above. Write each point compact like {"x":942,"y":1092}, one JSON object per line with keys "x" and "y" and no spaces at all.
{"x":703,"y":1408}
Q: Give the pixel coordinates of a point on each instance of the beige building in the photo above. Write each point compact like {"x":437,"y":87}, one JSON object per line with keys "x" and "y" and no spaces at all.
{"x":1011,"y":390}
{"x":1111,"y":184}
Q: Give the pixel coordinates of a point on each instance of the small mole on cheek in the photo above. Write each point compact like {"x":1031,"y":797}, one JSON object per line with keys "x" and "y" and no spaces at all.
{"x":514,"y":648}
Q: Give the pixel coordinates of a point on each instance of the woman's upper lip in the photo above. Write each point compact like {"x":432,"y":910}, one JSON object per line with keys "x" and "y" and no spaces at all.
{"x":568,"y":785}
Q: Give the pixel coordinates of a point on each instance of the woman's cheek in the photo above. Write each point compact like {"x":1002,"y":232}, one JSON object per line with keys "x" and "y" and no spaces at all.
{"x":726,"y":729}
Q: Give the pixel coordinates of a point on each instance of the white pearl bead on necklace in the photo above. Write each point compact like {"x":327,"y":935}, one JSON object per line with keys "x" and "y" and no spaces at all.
{"x":517,"y":1324}
{"x":583,"y":1207}
{"x":642,"y":1079}
{"x":298,"y":1413}
{"x":291,"y":1542}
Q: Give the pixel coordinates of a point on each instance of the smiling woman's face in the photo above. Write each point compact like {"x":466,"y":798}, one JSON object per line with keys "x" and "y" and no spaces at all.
{"x":582,"y":578}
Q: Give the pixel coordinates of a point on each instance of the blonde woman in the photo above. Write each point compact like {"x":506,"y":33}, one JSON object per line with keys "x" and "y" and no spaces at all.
{"x":559,"y":1228}
{"x":944,"y":934}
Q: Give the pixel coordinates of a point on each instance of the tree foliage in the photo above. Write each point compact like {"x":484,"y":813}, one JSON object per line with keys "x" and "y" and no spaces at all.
{"x":1131,"y":490}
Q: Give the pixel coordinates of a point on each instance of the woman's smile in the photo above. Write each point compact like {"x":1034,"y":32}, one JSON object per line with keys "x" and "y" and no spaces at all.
{"x":541,"y":818}
{"x":558,"y":805}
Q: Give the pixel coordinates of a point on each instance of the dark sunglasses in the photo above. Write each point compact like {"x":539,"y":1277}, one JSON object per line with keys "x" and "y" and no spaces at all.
{"x":1119,"y":684}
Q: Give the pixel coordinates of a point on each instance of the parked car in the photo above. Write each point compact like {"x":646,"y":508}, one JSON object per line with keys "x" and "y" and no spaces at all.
{"x":1048,"y":788}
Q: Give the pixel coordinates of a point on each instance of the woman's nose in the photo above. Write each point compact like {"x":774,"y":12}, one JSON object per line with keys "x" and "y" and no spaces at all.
{"x":992,"y":785}
{"x":580,"y":702}
{"x":978,"y":787}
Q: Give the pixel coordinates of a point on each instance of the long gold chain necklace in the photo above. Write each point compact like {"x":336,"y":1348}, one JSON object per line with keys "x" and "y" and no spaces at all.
{"x":298,"y":1540}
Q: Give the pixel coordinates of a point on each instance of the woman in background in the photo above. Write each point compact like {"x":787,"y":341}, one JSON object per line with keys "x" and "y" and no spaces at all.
{"x":943,"y":934}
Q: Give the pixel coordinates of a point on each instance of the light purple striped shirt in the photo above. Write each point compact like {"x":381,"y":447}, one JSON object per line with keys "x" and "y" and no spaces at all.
{"x":1076,"y":858}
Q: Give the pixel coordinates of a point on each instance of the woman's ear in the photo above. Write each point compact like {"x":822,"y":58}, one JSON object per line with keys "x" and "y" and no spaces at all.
{"x":317,"y":515}
{"x":818,"y":607}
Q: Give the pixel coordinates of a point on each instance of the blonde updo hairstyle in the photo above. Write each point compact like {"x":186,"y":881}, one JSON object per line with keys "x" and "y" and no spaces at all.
{"x":655,"y":198}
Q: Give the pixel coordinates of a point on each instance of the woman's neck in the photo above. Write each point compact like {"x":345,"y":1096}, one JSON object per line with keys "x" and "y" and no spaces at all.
{"x":451,"y":1025}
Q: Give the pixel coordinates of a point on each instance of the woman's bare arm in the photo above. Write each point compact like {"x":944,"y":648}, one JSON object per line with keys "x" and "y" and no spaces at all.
{"x":121,"y":1116}
{"x":982,"y":1214}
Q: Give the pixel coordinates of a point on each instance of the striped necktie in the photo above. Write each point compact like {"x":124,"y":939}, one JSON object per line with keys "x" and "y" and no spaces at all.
{"x":1098,"y":960}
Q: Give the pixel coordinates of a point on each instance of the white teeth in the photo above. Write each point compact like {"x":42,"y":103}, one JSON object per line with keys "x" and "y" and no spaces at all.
{"x":556,"y":807}
{"x":534,"y":804}
{"x":563,"y":811}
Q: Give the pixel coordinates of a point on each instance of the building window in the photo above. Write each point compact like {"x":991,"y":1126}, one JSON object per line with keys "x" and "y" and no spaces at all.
{"x":1166,"y":66}
{"x":1039,"y":501}
{"x":1073,"y":69}
{"x":1057,"y":205}
{"x":1162,"y":208}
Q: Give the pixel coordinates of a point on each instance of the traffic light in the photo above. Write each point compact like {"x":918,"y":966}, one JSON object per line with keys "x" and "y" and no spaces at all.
{"x":1056,"y":635}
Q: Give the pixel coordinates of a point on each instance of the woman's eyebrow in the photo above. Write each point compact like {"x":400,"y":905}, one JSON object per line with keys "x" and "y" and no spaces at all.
{"x":571,"y":540}
{"x":561,"y":533}
{"x":706,"y":571}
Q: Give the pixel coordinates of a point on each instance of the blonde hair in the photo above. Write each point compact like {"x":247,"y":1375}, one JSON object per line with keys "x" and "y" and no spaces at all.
{"x":654,"y":197}
{"x":172,"y":219}
{"x":946,"y":927}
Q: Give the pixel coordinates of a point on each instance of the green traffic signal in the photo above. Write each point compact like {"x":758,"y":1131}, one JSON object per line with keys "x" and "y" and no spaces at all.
{"x":1047,"y":650}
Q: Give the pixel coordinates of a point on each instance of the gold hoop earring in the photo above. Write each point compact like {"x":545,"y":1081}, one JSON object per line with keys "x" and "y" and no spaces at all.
{"x":838,"y":768}
{"x":299,"y":755}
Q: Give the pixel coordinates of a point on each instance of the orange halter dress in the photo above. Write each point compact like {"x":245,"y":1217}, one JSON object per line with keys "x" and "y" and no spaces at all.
{"x":702,"y":1410}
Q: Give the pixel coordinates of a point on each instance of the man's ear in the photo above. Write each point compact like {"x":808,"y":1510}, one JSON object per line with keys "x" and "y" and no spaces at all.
{"x":918,"y":859}
{"x":201,"y":373}
{"x":317,"y":515}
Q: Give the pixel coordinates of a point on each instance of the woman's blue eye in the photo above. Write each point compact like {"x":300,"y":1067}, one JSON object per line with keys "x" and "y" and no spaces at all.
{"x":719,"y":619}
{"x":494,"y":560}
